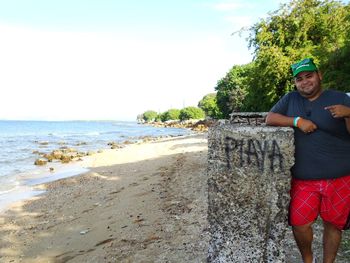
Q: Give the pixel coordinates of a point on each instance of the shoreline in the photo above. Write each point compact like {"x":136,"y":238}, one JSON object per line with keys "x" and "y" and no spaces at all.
{"x":136,"y":204}
{"x":28,"y":183}
{"x":29,"y":144}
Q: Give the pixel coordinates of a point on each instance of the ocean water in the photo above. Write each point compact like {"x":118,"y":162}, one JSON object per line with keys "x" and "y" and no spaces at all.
{"x":20,"y":142}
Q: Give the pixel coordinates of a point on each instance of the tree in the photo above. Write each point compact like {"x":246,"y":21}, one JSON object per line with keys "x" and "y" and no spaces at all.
{"x":337,"y":70}
{"x":172,"y":114}
{"x":139,"y":118}
{"x":209,"y":105}
{"x":232,"y":89}
{"x":149,"y":115}
{"x":299,"y":29}
{"x":190,"y":113}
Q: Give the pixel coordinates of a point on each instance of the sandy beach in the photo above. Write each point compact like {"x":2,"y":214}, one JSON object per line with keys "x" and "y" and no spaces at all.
{"x":143,"y":203}
{"x":146,"y":202}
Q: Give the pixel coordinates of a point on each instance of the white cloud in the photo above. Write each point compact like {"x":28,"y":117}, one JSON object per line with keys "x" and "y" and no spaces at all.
{"x":240,"y":14}
{"x":238,"y":22}
{"x":228,"y":6}
{"x":235,"y":6}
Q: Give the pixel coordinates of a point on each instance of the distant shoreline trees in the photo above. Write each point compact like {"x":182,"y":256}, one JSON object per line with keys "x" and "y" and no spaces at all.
{"x":187,"y":113}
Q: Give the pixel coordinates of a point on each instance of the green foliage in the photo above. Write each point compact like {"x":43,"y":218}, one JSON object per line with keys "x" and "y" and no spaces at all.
{"x":337,"y":69}
{"x":232,"y":89}
{"x":158,"y":118}
{"x":190,"y":113}
{"x":209,"y":105}
{"x":172,"y":114}
{"x":149,"y":116}
{"x":299,"y":29}
{"x":187,"y":113}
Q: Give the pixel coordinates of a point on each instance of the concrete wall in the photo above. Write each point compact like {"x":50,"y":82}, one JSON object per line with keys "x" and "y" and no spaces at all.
{"x":249,"y":181}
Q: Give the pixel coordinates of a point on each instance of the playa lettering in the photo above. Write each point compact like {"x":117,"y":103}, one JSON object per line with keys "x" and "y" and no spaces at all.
{"x":253,"y":152}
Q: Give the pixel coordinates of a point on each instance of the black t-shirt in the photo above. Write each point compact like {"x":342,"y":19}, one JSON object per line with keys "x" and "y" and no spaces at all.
{"x":324,"y":153}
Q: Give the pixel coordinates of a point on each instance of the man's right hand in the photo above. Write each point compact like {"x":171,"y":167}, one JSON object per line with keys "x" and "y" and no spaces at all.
{"x":306,"y":126}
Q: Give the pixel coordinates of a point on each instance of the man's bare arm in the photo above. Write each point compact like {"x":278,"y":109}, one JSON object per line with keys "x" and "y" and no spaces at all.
{"x":276,"y":119}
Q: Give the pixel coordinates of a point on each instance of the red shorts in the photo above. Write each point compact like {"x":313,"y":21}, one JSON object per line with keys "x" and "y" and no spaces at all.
{"x":328,"y":198}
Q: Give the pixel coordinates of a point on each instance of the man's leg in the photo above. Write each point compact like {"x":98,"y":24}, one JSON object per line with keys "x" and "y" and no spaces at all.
{"x":331,"y":242}
{"x":303,"y":236}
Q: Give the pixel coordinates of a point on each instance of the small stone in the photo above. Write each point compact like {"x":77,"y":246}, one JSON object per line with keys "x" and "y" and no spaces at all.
{"x":83,"y":232}
{"x":40,"y":162}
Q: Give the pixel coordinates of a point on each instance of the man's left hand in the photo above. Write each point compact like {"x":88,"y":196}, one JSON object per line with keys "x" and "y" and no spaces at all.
{"x":339,"y":111}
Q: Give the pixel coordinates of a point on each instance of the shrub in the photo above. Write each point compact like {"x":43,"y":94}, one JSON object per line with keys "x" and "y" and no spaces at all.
{"x":172,"y":114}
{"x":149,"y":116}
{"x":189,"y":113}
{"x":209,"y":105}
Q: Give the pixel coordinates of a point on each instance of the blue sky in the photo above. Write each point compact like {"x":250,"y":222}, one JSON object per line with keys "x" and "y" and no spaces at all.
{"x":105,"y":59}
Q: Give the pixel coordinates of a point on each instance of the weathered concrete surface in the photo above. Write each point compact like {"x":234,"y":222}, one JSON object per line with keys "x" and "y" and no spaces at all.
{"x":249,"y":181}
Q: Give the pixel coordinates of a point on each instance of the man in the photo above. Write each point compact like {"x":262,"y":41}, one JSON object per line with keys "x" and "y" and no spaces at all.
{"x":320,"y":182}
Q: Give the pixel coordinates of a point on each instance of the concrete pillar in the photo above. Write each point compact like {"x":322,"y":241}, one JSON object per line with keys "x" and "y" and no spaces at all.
{"x":249,"y":180}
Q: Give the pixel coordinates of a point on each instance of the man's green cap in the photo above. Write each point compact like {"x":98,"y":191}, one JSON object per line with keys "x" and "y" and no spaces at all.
{"x":306,"y":64}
